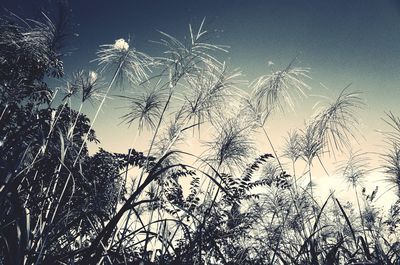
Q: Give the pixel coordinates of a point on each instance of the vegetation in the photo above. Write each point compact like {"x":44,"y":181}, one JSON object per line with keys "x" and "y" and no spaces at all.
{"x":228,"y":205}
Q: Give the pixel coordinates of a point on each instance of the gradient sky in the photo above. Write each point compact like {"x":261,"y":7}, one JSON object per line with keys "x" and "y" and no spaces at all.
{"x":342,"y":41}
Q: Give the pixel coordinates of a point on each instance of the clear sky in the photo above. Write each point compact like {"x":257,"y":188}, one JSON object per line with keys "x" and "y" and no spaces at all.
{"x":342,"y":41}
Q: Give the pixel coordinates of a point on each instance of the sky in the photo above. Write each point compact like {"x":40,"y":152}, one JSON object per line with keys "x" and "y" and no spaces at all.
{"x":343,"y":42}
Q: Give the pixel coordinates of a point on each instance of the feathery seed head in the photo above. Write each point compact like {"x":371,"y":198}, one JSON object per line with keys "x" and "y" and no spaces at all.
{"x":391,"y":157}
{"x":209,"y":92}
{"x":125,"y":60}
{"x":146,"y":108}
{"x":311,"y":142}
{"x":231,"y":146}
{"x":292,"y":148}
{"x":189,"y":58}
{"x":354,"y":169}
{"x":253,"y":111}
{"x":275,"y":89}
{"x":333,"y":125}
{"x":121,"y":45}
{"x":85,"y":82}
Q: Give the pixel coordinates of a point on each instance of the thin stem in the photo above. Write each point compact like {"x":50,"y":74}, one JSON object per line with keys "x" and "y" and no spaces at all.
{"x":310,"y":179}
{"x":98,"y":109}
{"x":4,"y":110}
{"x":125,"y":180}
{"x":154,"y":137}
{"x":361,"y":217}
{"x":272,"y":146}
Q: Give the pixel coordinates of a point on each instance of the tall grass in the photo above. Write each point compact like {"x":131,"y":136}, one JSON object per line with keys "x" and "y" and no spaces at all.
{"x":62,"y":205}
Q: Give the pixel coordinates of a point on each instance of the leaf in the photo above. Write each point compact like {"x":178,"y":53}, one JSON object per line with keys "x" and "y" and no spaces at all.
{"x":62,"y":147}
{"x":306,"y":242}
{"x":347,"y":221}
{"x":331,"y":258}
